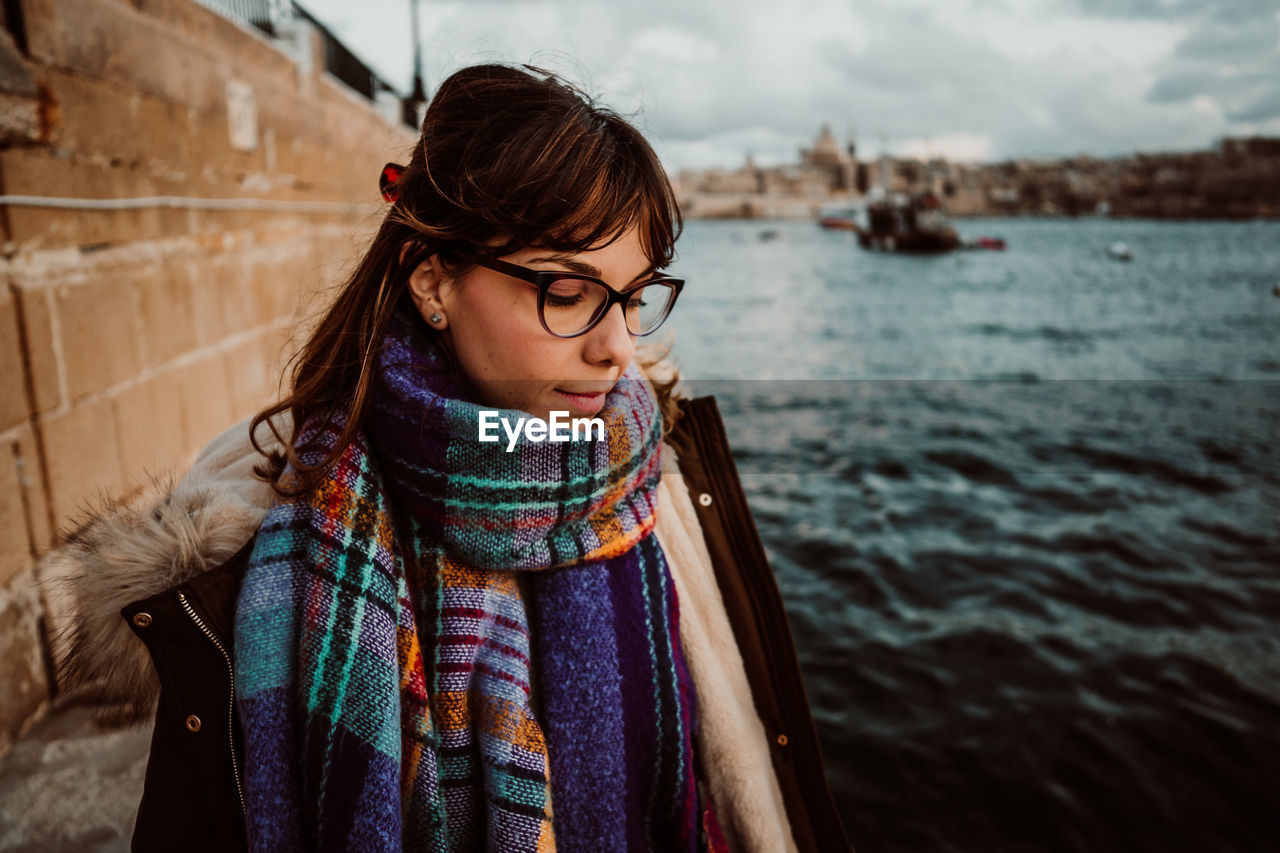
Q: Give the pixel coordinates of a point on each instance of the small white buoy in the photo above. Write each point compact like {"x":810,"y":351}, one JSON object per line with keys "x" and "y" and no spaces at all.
{"x":1119,"y":251}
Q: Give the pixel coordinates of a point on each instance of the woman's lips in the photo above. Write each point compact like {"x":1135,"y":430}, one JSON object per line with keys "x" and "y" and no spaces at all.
{"x":590,"y":403}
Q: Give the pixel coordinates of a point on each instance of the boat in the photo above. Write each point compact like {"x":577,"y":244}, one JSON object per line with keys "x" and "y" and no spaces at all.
{"x":840,"y":218}
{"x":1120,"y":251}
{"x":895,"y":222}
{"x":915,"y":223}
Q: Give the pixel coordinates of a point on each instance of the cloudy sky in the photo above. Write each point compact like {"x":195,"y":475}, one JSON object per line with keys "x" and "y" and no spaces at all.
{"x":710,"y":80}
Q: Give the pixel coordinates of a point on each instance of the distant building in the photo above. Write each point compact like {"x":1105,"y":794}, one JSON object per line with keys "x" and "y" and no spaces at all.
{"x":1238,"y":179}
{"x":827,"y":156}
{"x":1259,"y":147}
{"x":824,"y":170}
{"x":825,"y":151}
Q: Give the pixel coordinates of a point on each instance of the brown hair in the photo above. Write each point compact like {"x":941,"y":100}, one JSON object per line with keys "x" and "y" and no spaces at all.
{"x":506,"y":154}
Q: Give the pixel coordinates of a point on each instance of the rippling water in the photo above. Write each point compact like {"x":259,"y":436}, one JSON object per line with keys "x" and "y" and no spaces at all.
{"x":1023,"y":508}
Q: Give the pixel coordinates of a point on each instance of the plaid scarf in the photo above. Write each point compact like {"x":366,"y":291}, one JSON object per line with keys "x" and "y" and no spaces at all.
{"x":445,"y":638}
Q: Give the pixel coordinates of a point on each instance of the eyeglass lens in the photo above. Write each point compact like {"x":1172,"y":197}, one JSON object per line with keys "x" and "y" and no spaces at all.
{"x":572,"y":304}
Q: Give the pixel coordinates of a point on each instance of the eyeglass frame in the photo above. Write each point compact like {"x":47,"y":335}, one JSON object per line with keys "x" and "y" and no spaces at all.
{"x":543,"y":279}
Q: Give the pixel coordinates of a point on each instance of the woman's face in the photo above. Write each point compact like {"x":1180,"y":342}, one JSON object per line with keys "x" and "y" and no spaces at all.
{"x":500,"y":346}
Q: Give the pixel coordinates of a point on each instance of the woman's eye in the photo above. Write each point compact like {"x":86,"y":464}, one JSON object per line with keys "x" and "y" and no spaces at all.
{"x":559,"y":301}
{"x":566,"y":292}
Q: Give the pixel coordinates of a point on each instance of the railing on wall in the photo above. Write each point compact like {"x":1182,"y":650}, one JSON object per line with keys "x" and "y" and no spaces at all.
{"x":262,"y":14}
{"x":341,"y":62}
{"x":268,"y":15}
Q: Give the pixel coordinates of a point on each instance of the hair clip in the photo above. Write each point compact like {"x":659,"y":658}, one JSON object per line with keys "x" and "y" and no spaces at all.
{"x":389,"y":181}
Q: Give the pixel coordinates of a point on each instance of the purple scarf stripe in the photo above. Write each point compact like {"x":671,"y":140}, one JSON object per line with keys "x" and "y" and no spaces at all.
{"x":583,"y":704}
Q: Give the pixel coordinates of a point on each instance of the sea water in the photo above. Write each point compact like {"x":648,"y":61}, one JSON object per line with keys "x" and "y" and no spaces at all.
{"x":1023,"y":510}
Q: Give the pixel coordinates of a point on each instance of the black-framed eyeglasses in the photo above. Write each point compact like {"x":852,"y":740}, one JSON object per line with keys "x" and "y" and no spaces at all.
{"x":571,"y":304}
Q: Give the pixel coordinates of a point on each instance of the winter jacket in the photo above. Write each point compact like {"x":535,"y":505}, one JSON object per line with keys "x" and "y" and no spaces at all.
{"x":173,"y":573}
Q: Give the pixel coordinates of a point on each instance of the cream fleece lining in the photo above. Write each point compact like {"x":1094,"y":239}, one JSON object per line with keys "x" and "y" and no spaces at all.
{"x":731,"y":738}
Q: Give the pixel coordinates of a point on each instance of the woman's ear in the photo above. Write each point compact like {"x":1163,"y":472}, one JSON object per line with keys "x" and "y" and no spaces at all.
{"x":426,"y":282}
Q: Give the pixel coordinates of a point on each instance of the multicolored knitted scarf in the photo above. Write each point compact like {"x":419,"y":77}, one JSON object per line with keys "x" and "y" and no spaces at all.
{"x":445,"y":638}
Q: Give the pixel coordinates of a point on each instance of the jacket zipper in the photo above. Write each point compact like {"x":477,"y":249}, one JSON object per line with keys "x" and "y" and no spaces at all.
{"x":231,"y":705}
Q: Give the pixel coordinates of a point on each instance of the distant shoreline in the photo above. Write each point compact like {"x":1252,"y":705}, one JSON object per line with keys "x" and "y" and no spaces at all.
{"x":1239,"y":181}
{"x":961,"y":217}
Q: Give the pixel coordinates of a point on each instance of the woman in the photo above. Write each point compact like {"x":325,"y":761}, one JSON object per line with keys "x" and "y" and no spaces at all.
{"x":433,"y":641}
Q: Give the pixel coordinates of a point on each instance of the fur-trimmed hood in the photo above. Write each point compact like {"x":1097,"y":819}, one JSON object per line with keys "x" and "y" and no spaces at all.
{"x":122,"y":553}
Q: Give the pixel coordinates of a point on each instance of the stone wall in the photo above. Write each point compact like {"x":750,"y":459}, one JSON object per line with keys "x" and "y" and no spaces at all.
{"x":130,"y":337}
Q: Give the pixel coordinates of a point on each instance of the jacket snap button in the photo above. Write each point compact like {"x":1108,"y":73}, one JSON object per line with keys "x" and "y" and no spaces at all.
{"x":782,"y":740}
{"x":193,"y":723}
{"x":142,"y":620}
{"x":705,"y":499}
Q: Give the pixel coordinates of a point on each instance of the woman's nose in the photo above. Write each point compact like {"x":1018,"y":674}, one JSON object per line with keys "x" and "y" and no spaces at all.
{"x":610,"y":341}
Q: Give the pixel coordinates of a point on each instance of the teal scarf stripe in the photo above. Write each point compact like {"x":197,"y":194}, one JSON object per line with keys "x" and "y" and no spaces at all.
{"x":573,"y":498}
{"x":500,"y":490}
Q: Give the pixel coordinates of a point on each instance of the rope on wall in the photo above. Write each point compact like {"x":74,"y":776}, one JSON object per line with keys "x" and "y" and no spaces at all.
{"x":189,"y":202}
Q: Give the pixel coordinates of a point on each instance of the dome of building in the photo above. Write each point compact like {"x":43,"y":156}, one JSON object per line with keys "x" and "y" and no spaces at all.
{"x":826,"y":151}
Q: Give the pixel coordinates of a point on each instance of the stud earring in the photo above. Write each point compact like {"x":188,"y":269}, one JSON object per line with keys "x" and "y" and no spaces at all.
{"x":435,"y":318}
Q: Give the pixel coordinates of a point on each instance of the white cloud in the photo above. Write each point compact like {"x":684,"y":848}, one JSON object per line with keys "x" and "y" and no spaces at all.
{"x":957,"y":147}
{"x":711,"y":81}
{"x":767,"y":146}
{"x":666,"y":44}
